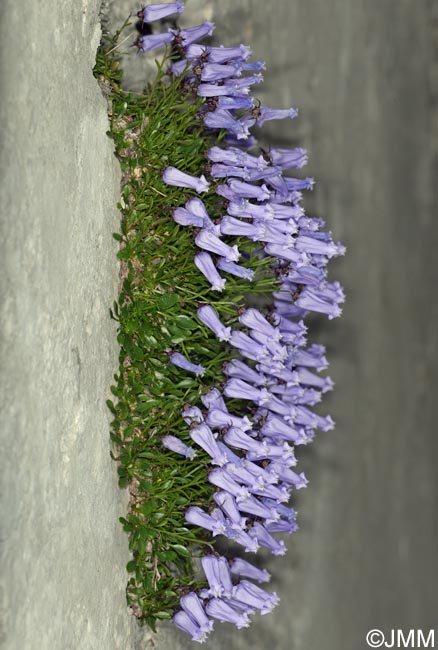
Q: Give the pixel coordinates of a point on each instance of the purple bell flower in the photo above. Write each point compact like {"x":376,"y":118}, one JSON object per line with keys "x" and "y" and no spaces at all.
{"x":220,"y":170}
{"x":198,"y":517}
{"x":243,"y":568}
{"x":246,"y":190}
{"x":192,"y":34}
{"x":228,"y":504}
{"x":223,"y":480}
{"x":205,"y":264}
{"x":243,"y":102}
{"x":217,"y":71}
{"x":218,"y":608}
{"x":179,"y":360}
{"x":192,"y":415}
{"x":196,"y":207}
{"x":310,"y":301}
{"x":232,"y":226}
{"x":289,"y":158}
{"x":185,"y":218}
{"x":219,"y":419}
{"x":204,"y":437}
{"x":213,"y":399}
{"x":210,"y":564}
{"x":178,"y":446}
{"x":256,"y":597}
{"x":187,"y":624}
{"x":209,"y":317}
{"x":235,"y":269}
{"x":173,"y":176}
{"x":223,"y":54}
{"x":221,"y":118}
{"x":239,"y":370}
{"x":253,"y":319}
{"x":193,"y":606}
{"x":275,"y":114}
{"x":265,"y":539}
{"x":294,"y":184}
{"x":213,"y":90}
{"x":208,"y":241}
{"x":154,"y":41}
{"x":150,"y":13}
{"x":282,"y":526}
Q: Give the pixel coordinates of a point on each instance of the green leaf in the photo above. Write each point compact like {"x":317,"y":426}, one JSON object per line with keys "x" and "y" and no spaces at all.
{"x":167,"y":300}
{"x":186,"y":322}
{"x":181,"y":550}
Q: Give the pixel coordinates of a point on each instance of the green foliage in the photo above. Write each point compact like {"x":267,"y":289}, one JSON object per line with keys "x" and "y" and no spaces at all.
{"x":156,"y":311}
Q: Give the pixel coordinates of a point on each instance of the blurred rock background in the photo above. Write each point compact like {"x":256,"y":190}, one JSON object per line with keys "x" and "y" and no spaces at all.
{"x":364,"y":75}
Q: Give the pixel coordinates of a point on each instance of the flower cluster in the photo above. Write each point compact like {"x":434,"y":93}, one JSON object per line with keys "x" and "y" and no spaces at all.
{"x":273,"y":372}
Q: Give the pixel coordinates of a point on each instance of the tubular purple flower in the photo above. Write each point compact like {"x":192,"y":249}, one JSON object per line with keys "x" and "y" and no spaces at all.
{"x":178,"y":446}
{"x":243,"y":102}
{"x":248,"y":210}
{"x":204,"y":262}
{"x":222,"y":479}
{"x":312,"y":357}
{"x":150,"y":13}
{"x":253,"y":506}
{"x":241,"y":390}
{"x":185,"y":218}
{"x":310,"y":379}
{"x":282,"y":526}
{"x":219,"y":419}
{"x":239,"y":370}
{"x":186,"y":623}
{"x":253,"y":319}
{"x":192,"y":34}
{"x":217,"y":71}
{"x":284,"y":511}
{"x":225,"y":576}
{"x":220,"y":170}
{"x":241,"y":567}
{"x":275,"y":114}
{"x":192,"y":415}
{"x":173,"y":176}
{"x":315,"y":246}
{"x":243,"y":84}
{"x":198,"y":517}
{"x":228,"y":504}
{"x":246,"y":190}
{"x":235,"y":269}
{"x":309,"y":301}
{"x":232,"y":226}
{"x":177,"y":68}
{"x":213,"y":90}
{"x":214,"y":399}
{"x":193,"y":606}
{"x":284,"y":252}
{"x":299,"y":481}
{"x":221,"y":118}
{"x":277,"y":427}
{"x":265,"y":539}
{"x":254,"y":596}
{"x":196,"y":207}
{"x":203,"y":436}
{"x":208,"y":241}
{"x":294,"y":184}
{"x":218,"y":608}
{"x":179,"y":360}
{"x":154,"y":41}
{"x":239,"y":439}
{"x":289,"y":158}
{"x":210,"y":564}
{"x":209,"y":317}
{"x":223,"y":54}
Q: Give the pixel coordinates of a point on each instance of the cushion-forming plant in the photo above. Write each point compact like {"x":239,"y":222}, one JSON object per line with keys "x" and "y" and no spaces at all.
{"x":221,"y":266}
